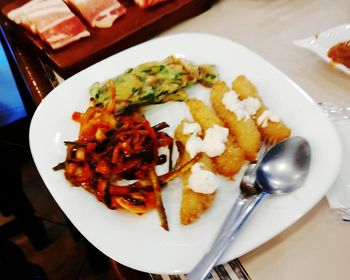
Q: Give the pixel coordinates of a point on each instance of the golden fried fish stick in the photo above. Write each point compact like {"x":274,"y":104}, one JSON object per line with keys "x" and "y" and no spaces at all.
{"x":231,"y":160}
{"x":203,"y":114}
{"x":244,"y":131}
{"x":193,"y":204}
{"x":273,"y":130}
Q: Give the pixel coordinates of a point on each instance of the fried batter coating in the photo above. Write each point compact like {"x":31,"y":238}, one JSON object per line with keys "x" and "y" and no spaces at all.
{"x":244,"y":131}
{"x":276,"y":131}
{"x":230,"y":162}
{"x":193,"y":204}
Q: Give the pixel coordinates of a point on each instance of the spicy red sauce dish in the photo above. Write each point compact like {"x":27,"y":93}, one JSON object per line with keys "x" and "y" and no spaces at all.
{"x":340,"y":53}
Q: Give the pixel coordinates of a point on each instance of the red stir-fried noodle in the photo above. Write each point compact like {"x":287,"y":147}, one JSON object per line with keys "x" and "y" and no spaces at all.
{"x":111,"y":148}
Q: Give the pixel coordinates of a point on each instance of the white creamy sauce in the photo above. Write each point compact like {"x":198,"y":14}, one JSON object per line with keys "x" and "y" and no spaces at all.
{"x":213,"y":143}
{"x":242,"y":109}
{"x":194,"y":145}
{"x":191,"y":128}
{"x":265,"y":117}
{"x":202,"y":181}
{"x":232,"y":103}
{"x":214,"y":140}
{"x":251,"y":105}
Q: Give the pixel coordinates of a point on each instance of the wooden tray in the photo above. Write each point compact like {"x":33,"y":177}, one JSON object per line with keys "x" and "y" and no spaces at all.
{"x":134,"y":27}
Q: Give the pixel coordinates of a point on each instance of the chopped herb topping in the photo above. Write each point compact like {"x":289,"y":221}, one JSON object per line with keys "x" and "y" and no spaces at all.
{"x":178,"y":76}
{"x":142,"y":79}
{"x":210,"y":76}
{"x":150,"y":96}
{"x":136,"y":91}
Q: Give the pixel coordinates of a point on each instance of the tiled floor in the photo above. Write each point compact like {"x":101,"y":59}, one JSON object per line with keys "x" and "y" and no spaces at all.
{"x":63,"y":258}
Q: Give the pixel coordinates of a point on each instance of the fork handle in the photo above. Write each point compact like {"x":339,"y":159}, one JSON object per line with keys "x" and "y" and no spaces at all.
{"x":238,"y":214}
{"x":234,"y":215}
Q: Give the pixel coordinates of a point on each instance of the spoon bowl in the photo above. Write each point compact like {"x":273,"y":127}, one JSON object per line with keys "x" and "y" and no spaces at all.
{"x":284,"y":167}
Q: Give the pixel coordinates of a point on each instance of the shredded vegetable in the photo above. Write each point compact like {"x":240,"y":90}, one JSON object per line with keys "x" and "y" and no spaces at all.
{"x":112,"y":148}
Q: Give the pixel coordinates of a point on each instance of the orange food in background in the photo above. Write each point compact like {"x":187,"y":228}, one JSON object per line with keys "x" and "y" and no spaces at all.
{"x":340,"y":53}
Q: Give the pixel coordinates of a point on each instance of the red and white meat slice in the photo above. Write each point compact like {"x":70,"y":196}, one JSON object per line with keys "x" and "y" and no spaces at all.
{"x":64,"y":33}
{"x":99,"y":13}
{"x":52,"y":20}
{"x":143,"y":4}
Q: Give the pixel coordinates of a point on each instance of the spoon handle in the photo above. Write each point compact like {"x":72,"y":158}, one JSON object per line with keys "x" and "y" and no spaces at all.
{"x":238,"y":214}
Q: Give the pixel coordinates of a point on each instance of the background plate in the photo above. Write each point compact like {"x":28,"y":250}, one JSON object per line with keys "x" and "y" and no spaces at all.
{"x":322,"y":42}
{"x":139,"y":242}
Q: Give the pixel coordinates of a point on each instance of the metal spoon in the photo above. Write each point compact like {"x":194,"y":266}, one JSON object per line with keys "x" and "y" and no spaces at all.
{"x":282,"y":170}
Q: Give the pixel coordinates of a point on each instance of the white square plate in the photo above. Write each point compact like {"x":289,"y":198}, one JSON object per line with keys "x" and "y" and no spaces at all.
{"x":138,"y":241}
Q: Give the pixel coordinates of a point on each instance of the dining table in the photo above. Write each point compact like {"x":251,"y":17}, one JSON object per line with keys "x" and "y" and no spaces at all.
{"x":316,"y":246}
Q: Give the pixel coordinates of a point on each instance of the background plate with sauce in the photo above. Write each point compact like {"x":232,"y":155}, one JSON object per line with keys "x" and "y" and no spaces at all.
{"x":320,"y":43}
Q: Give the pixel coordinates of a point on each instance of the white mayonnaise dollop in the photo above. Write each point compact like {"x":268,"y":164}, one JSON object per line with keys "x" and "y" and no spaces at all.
{"x":265,"y":117}
{"x":242,"y":109}
{"x":194,"y":145}
{"x":232,"y":103}
{"x":191,"y":128}
{"x":251,"y":105}
{"x":202,"y":181}
{"x":214,"y":140}
{"x":213,"y":143}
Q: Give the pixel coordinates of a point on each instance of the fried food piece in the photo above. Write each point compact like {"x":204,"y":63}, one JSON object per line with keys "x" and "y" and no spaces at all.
{"x":153,"y":83}
{"x":193,"y":204}
{"x":276,"y":131}
{"x":229,"y":162}
{"x":245,"y":131}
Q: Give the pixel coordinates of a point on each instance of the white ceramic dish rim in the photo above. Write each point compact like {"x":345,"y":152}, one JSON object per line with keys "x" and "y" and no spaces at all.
{"x":321,"y":43}
{"x":142,"y":244}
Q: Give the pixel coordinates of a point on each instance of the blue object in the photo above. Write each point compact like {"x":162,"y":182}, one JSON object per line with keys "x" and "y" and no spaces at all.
{"x":11,"y":105}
